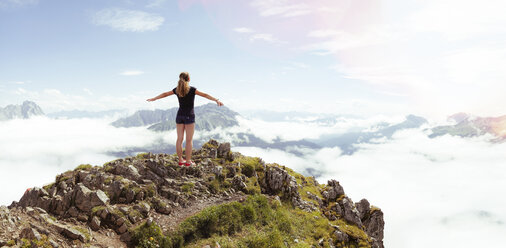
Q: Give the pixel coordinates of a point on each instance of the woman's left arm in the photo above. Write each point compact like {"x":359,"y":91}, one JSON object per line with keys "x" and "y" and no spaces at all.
{"x":202,"y":94}
{"x":165,"y":94}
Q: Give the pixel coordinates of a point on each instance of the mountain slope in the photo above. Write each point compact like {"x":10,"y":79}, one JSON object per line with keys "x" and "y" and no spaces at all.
{"x":150,"y":201}
{"x":469,"y":126}
{"x":207,"y":117}
{"x":23,"y":111}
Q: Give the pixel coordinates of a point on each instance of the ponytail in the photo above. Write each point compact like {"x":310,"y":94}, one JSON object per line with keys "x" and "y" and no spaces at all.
{"x":183,"y":87}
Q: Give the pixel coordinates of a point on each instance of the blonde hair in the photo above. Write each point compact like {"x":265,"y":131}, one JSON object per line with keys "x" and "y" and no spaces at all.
{"x":183,"y":86}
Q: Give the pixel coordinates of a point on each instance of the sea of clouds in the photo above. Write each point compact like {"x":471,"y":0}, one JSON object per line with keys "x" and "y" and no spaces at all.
{"x":34,"y":151}
{"x":441,"y":192}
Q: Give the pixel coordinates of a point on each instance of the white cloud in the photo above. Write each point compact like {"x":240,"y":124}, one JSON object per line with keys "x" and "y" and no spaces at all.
{"x":156,"y":3}
{"x":254,"y":36}
{"x":16,"y":3}
{"x":264,"y":37}
{"x":88,"y":91}
{"x":40,"y":148}
{"x":131,"y":73}
{"x":283,"y":8}
{"x":443,"y":54}
{"x":128,"y":20}
{"x":243,"y":30}
{"x":20,"y":91}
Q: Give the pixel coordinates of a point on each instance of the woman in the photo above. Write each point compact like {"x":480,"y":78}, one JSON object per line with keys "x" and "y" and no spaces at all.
{"x":185,"y":119}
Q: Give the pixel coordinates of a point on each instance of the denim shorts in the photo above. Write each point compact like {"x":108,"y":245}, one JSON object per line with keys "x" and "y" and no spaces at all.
{"x":185,"y":119}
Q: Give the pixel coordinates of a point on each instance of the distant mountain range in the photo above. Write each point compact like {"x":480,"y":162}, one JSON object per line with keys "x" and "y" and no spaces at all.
{"x":208,"y":117}
{"x":23,"y":111}
{"x":471,"y":126}
{"x":348,"y":141}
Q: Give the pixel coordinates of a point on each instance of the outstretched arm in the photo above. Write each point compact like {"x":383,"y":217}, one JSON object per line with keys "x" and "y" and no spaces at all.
{"x":202,"y":94}
{"x":165,"y":94}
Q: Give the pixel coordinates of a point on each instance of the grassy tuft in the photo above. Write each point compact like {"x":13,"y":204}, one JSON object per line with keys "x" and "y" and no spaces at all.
{"x":85,"y":167}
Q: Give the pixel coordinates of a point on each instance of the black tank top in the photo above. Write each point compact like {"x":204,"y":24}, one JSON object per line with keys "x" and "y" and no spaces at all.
{"x":186,"y":102}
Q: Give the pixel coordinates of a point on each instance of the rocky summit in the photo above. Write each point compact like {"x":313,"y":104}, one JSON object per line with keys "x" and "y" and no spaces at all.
{"x":227,"y":200}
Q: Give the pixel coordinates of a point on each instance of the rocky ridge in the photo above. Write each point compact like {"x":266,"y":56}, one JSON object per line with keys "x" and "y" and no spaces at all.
{"x":23,"y":111}
{"x":101,"y":206}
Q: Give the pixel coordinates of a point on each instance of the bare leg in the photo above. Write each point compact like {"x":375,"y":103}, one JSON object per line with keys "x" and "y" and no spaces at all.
{"x":179,"y":141}
{"x":190,"y":128}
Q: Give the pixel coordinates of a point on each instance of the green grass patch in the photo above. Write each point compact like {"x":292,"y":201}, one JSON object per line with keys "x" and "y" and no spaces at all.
{"x":85,"y":167}
{"x":48,"y":187}
{"x":249,"y":165}
{"x":151,"y":236}
{"x":142,"y":155}
{"x":187,"y":187}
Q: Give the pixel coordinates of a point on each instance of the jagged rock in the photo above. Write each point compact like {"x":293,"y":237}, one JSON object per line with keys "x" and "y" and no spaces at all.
{"x":30,"y":234}
{"x":104,"y":213}
{"x":315,"y":197}
{"x":130,"y":195}
{"x":374,"y":226}
{"x":334,"y":191}
{"x":73,"y":211}
{"x":70,"y":232}
{"x":32,"y":197}
{"x":157,"y":168}
{"x":120,"y":221}
{"x":275,"y":178}
{"x":129,"y":172}
{"x":82,"y":218}
{"x":143,"y":208}
{"x":95,"y":223}
{"x":349,"y":212}
{"x":238,"y":183}
{"x":363,"y":208}
{"x":85,"y":199}
{"x":224,"y":150}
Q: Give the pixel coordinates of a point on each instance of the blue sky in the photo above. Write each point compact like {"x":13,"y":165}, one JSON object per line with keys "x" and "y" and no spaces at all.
{"x":363,"y":57}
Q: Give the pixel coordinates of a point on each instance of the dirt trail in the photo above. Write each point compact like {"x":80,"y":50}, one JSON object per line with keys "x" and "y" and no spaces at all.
{"x":170,"y":222}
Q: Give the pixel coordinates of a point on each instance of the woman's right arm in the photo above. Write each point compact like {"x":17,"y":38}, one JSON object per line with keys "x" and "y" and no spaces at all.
{"x":165,"y":94}
{"x":202,"y":94}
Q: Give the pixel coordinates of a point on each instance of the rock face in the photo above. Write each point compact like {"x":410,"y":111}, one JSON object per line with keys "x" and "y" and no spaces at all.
{"x":23,"y":111}
{"x":110,"y":200}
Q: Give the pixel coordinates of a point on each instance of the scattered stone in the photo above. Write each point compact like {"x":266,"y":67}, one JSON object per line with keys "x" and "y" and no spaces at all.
{"x":73,"y":211}
{"x":30,"y":234}
{"x":334,"y":191}
{"x":95,"y":223}
{"x":122,"y":229}
{"x":72,"y":233}
{"x":224,"y":150}
{"x":340,"y":236}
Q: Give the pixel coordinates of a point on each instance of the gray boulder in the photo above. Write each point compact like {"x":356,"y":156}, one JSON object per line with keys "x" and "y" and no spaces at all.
{"x":334,"y":191}
{"x":349,"y":212}
{"x":224,"y":150}
{"x":363,"y":208}
{"x":374,"y":226}
{"x":85,"y":199}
